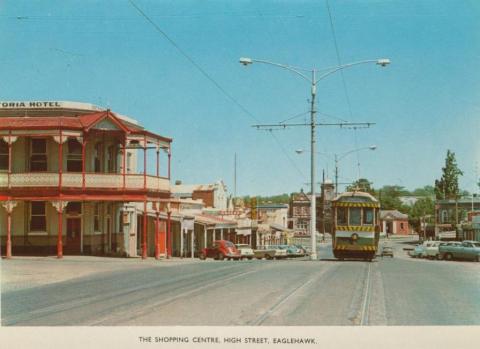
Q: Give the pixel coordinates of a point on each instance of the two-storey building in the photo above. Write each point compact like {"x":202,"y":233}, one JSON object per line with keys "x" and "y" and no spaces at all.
{"x":69,"y":182}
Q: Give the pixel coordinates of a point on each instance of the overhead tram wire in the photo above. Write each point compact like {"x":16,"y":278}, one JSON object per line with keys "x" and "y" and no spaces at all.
{"x":207,"y":76}
{"x":190,"y":59}
{"x":339,"y":62}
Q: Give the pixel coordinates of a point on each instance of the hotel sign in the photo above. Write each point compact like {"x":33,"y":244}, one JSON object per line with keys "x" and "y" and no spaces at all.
{"x":46,"y":105}
{"x":32,"y":104}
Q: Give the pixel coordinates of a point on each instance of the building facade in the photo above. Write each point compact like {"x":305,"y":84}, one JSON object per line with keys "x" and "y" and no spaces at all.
{"x":69,"y":182}
{"x":393,"y":222}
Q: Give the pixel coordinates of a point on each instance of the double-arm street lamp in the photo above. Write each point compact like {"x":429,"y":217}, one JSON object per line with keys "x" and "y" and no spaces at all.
{"x":313,"y":79}
{"x":337,"y":158}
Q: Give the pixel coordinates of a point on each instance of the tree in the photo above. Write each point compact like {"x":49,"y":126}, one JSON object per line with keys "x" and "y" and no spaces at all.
{"x":447,"y":186}
{"x":389,"y":197}
{"x":426,"y":191}
{"x":362,"y":184}
{"x":422,"y":211}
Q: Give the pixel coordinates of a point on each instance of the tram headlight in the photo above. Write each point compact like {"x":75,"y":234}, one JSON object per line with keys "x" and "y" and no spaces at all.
{"x":354,"y":237}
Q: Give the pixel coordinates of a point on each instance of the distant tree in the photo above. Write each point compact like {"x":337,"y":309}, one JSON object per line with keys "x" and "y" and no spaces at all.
{"x":389,"y":196}
{"x":426,"y":191}
{"x":447,"y":186}
{"x":422,"y":210}
{"x":362,"y":184}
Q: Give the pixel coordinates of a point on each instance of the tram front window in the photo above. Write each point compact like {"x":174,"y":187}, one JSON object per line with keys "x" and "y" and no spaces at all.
{"x":355,"y":216}
{"x":341,"y":216}
{"x":368,"y":216}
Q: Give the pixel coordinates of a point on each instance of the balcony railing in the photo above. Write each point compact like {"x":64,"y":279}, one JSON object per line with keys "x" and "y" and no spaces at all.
{"x":92,"y":180}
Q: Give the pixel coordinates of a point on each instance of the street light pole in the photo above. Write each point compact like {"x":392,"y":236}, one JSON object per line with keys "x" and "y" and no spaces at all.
{"x":313,"y":81}
{"x":313,"y":200}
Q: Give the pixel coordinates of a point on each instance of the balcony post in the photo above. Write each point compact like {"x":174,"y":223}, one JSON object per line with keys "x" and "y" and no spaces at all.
{"x":157,"y":237}
{"x":9,"y":206}
{"x":169,"y":162}
{"x":158,"y":161}
{"x":144,"y":162}
{"x":59,"y":206}
{"x":124,"y":162}
{"x":205,"y":236}
{"x":84,"y":146}
{"x":169,"y":234}
{"x":9,"y":158}
{"x":144,"y":242}
{"x":60,"y":160}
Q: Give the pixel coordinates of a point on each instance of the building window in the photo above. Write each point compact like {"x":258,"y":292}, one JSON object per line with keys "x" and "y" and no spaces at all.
{"x":368,"y":216}
{"x":38,"y":158}
{"x":97,"y":158}
{"x":96,"y":217}
{"x":3,"y":155}
{"x":74,"y":208}
{"x":38,"y":221}
{"x":112,"y":157}
{"x":444,"y":216}
{"x":74,"y":157}
{"x":401,"y":226}
{"x":341,"y":216}
{"x":355,"y":216}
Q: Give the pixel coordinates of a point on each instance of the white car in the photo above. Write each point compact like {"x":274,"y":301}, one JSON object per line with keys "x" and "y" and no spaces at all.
{"x":431,"y":249}
{"x":245,"y":250}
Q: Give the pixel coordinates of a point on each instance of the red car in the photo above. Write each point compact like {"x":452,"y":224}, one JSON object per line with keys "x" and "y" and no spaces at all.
{"x":221,"y":249}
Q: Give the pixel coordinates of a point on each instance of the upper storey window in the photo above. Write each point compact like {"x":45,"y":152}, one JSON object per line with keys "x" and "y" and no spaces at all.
{"x":3,"y":156}
{"x":38,"y":158}
{"x":74,"y":157}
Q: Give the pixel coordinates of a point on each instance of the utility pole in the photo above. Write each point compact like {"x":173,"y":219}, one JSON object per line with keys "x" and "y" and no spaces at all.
{"x":313,"y":83}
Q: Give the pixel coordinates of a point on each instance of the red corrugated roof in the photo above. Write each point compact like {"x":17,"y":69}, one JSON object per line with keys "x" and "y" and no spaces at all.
{"x":82,"y":122}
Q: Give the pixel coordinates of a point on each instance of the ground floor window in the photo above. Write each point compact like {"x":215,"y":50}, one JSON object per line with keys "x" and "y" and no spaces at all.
{"x":3,"y":155}
{"x":38,"y":221}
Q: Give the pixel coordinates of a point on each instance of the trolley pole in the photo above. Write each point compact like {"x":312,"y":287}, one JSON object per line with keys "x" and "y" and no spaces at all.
{"x":313,"y":201}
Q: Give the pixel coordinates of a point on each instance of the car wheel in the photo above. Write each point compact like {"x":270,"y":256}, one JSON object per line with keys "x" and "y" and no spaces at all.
{"x":478,"y":258}
{"x":221,"y":257}
{"x":448,"y":256}
{"x":202,"y":256}
{"x":250,"y":258}
{"x":439,"y":257}
{"x":268,"y":257}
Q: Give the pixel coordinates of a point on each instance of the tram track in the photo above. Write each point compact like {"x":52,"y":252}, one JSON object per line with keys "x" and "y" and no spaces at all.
{"x":126,"y":298}
{"x":277,"y":306}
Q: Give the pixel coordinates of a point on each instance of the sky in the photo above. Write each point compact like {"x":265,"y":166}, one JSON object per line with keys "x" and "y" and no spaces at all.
{"x":176,"y":70}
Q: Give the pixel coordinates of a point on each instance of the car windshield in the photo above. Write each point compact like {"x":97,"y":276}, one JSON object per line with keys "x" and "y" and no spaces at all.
{"x":229,"y":244}
{"x":242,"y":245}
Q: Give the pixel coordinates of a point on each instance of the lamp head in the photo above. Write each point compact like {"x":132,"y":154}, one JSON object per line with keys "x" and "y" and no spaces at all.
{"x":383,"y":62}
{"x":246,"y":61}
{"x":372,"y":147}
{"x":299,"y":151}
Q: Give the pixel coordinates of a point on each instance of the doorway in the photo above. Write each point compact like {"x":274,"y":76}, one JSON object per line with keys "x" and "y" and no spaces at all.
{"x":74,"y":229}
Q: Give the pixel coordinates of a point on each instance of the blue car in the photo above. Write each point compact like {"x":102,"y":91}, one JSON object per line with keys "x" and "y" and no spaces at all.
{"x":418,"y":252}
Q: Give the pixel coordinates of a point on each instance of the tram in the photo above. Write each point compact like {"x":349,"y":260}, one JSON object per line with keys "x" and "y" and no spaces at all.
{"x":356,"y":229}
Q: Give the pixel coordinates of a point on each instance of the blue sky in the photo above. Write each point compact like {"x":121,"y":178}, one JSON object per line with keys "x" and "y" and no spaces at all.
{"x":105,"y":53}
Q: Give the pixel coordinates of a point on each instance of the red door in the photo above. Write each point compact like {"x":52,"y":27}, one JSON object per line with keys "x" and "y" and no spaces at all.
{"x":74,"y":226}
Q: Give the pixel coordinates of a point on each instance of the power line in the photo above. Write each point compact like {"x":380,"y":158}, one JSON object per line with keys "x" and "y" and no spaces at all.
{"x":206,"y":75}
{"x":190,"y":59}
{"x":339,"y":61}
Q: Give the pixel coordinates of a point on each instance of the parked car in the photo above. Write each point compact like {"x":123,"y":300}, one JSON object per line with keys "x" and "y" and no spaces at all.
{"x":469,"y":250}
{"x":417,"y":252}
{"x":303,"y":249}
{"x":280,"y":253}
{"x":221,"y":249}
{"x":431,"y":249}
{"x":292,"y":251}
{"x":387,"y":251}
{"x":245,"y":251}
{"x":270,"y":252}
{"x":446,"y":248}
